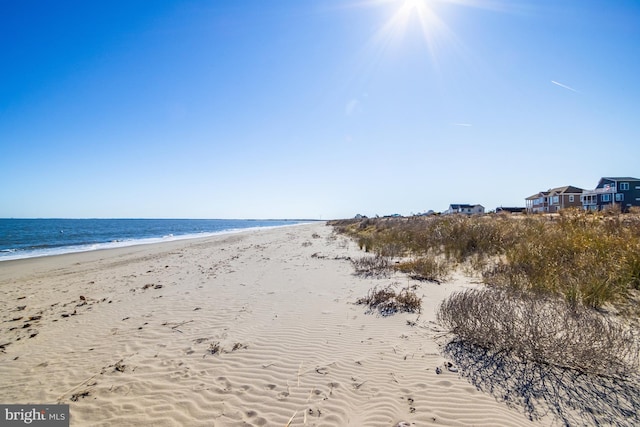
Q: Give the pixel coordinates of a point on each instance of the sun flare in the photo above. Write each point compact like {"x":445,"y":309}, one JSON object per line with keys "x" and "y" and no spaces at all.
{"x":413,"y":4}
{"x":415,"y":12}
{"x":438,"y":37}
{"x":419,"y":28}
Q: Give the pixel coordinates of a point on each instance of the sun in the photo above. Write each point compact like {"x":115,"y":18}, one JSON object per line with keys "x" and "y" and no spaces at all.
{"x":414,"y":4}
{"x":414,"y":12}
{"x":424,"y":18}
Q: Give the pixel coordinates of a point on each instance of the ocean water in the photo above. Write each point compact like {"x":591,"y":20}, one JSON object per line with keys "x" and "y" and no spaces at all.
{"x":27,"y":238}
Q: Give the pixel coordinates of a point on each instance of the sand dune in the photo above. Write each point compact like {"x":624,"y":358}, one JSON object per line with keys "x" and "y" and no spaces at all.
{"x":251,"y":329}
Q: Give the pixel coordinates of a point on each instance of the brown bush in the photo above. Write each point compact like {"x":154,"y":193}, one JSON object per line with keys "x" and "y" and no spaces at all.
{"x":541,"y":329}
{"x":426,"y":268}
{"x":587,"y":258}
{"x":377,"y":266}
{"x":386,"y":301}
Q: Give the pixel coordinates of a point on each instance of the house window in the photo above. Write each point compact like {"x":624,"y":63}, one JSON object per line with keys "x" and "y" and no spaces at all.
{"x":619,"y":197}
{"x":606,"y":197}
{"x":624,"y":186}
{"x":571,"y":198}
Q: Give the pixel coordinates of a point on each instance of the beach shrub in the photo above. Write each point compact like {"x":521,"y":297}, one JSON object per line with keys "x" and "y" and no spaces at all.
{"x":426,"y":268}
{"x":386,"y":301}
{"x":540,"y":328}
{"x":376,"y":266}
{"x":587,"y":258}
{"x":457,"y":237}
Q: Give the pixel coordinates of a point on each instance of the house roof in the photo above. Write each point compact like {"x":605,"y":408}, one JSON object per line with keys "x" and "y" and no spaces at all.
{"x":538,"y":194}
{"x":620,"y":178}
{"x":603,"y":181}
{"x":567,"y":189}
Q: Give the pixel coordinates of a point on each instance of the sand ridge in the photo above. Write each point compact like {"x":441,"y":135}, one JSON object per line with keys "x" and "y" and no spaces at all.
{"x":251,"y":329}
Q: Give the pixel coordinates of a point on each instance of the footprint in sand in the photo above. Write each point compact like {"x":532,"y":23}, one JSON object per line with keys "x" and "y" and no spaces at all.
{"x":283,"y":395}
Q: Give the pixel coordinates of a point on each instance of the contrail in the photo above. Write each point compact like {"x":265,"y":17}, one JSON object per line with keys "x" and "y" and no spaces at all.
{"x":564,"y":86}
{"x":462,"y":124}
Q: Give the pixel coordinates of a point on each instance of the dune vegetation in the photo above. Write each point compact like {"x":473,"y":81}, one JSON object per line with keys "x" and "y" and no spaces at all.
{"x":585,"y":258}
{"x":560,"y":290}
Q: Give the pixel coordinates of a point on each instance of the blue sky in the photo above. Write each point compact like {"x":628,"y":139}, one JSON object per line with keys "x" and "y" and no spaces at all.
{"x":314,"y":108}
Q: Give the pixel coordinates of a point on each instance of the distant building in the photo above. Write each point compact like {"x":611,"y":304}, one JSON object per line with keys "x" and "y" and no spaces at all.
{"x":554,"y":199}
{"x":564,"y":197}
{"x":510,"y":210}
{"x":538,"y":203}
{"x":622,"y":191}
{"x":464,"y":209}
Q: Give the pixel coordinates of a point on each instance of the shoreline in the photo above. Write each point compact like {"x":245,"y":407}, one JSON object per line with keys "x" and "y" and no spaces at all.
{"x":251,"y":329}
{"x":119,"y":244}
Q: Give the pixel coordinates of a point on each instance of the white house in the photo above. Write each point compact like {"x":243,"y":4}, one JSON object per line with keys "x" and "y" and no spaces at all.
{"x":464,"y":209}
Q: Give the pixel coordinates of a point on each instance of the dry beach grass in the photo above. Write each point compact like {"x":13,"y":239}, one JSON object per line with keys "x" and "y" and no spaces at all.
{"x":555,"y":331}
{"x":587,"y":258}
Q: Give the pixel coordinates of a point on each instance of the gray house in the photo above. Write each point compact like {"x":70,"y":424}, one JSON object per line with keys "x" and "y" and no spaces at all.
{"x":621,"y":191}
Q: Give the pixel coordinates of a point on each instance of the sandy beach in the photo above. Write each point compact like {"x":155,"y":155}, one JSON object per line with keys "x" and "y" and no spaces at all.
{"x":257,"y":328}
